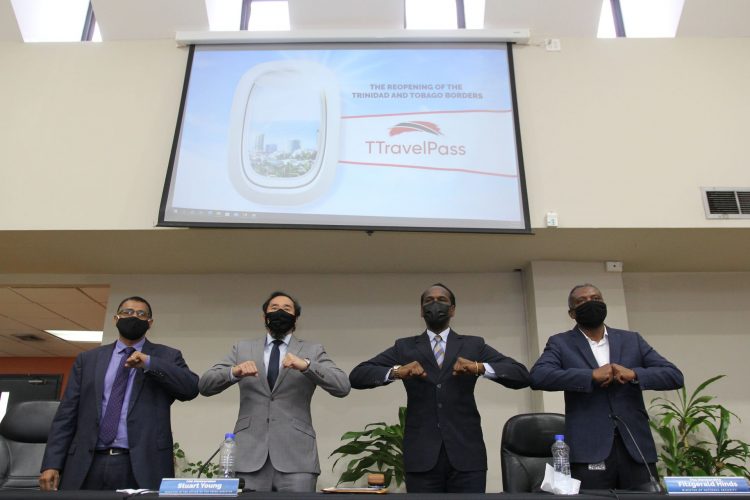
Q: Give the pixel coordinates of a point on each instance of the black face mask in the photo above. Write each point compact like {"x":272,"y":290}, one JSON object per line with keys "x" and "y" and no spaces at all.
{"x":436,"y":315}
{"x":279,"y":323}
{"x":132,"y":328}
{"x":591,"y":314}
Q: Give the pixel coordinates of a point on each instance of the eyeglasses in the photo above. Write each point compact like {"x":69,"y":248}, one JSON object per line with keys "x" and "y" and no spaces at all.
{"x":127,"y":313}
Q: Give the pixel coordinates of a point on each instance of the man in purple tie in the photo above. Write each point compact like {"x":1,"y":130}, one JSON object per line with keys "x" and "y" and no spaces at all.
{"x":113,"y":429}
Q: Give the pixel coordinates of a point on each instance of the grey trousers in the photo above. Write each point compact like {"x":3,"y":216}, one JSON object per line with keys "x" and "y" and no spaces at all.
{"x":269,"y":479}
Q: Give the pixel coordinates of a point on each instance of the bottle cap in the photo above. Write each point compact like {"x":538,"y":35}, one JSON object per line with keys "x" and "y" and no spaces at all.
{"x":228,"y":435}
{"x":559,"y":437}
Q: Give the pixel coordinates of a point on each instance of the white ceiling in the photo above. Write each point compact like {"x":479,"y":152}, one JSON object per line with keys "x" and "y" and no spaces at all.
{"x":28,"y":311}
{"x":154,"y":19}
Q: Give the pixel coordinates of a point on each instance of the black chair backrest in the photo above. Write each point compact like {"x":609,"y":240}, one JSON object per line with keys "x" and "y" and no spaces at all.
{"x":23,"y":437}
{"x":526,"y":448}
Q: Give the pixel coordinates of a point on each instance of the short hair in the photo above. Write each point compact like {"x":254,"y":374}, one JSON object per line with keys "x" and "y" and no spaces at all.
{"x":450,"y":293}
{"x":577,"y":287}
{"x":279,"y":293}
{"x":136,"y":298}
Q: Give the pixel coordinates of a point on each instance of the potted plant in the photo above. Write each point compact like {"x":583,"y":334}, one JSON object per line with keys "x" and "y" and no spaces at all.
{"x":683,"y":426}
{"x":379,"y":448}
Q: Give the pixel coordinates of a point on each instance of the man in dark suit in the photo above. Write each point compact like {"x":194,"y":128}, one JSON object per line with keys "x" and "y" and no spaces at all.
{"x":604,"y":372}
{"x":112,"y":429}
{"x":443,"y":444}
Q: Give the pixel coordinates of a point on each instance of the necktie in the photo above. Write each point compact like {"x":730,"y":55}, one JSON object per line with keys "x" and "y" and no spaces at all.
{"x":273,"y":363}
{"x":438,"y":350}
{"x":111,"y":420}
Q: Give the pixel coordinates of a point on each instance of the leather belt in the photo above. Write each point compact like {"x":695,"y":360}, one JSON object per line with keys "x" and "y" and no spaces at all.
{"x":113,"y":451}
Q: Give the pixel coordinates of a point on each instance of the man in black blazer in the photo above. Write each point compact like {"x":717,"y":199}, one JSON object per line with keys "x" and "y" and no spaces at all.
{"x":100,"y":441}
{"x":443,"y":444}
{"x":604,"y":372}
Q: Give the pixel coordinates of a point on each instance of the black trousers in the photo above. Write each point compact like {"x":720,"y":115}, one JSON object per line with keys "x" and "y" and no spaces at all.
{"x":620,"y":471}
{"x":443,"y":478}
{"x":110,"y":472}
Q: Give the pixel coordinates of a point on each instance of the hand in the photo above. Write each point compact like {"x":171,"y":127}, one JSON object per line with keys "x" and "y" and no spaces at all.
{"x":413,"y":369}
{"x":603,"y":375}
{"x":623,"y":375}
{"x":137,"y":360}
{"x":49,"y":479}
{"x":245,"y":369}
{"x":292,"y":361}
{"x":464,"y":366}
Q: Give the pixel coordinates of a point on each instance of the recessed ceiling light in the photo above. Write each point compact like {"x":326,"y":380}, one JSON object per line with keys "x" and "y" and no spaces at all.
{"x":77,"y":335}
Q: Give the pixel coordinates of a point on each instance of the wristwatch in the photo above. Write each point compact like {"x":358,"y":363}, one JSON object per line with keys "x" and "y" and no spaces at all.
{"x":393,"y":371}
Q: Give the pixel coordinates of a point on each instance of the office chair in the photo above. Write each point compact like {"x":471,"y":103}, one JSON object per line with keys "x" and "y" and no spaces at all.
{"x":23,"y":436}
{"x":525,"y":449}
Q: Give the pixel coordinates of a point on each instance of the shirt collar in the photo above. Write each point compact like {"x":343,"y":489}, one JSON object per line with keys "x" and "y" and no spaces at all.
{"x":286,"y":339}
{"x":443,"y":334}
{"x":605,"y":337}
{"x":138,"y":346}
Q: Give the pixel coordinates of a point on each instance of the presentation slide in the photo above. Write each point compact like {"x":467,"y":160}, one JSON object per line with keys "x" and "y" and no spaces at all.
{"x":417,"y":136}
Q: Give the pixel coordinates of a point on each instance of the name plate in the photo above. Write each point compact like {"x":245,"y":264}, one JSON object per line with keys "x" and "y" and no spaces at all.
{"x":719,"y":485}
{"x":179,"y":487}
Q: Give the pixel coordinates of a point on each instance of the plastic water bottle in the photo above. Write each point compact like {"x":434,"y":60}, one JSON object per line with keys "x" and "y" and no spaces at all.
{"x":226,"y":457}
{"x":561,"y":455}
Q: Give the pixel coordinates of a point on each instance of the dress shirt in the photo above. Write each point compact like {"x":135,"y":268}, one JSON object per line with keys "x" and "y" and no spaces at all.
{"x":121,"y":440}
{"x":282,"y":349}
{"x":488,"y":371}
{"x":267,"y":353}
{"x":600,"y":349}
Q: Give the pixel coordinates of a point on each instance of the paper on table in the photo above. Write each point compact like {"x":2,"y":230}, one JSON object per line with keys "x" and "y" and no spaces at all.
{"x":558,"y":483}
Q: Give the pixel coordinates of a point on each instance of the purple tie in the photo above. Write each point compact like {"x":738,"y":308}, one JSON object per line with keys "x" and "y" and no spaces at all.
{"x":111,"y":420}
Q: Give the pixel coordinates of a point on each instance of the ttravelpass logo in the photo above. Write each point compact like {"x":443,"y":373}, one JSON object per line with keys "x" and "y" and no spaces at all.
{"x":419,"y":148}
{"x":403,"y":127}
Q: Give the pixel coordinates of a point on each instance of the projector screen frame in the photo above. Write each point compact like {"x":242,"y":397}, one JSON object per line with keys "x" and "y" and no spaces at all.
{"x":162,"y":222}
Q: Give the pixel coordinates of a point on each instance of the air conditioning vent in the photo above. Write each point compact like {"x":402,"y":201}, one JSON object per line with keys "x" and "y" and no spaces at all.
{"x":28,"y":337}
{"x":726,"y":203}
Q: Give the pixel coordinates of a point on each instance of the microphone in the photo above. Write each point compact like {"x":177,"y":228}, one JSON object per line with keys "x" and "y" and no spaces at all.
{"x":205,"y":464}
{"x":653,"y":485}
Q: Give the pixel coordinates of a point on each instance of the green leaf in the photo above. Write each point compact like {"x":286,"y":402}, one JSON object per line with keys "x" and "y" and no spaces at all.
{"x":379,"y":447}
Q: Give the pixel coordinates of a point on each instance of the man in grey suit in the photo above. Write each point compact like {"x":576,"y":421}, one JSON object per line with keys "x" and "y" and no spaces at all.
{"x":277,"y":375}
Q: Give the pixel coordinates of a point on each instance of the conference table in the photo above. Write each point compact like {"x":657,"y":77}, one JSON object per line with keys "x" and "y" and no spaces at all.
{"x":27,"y":494}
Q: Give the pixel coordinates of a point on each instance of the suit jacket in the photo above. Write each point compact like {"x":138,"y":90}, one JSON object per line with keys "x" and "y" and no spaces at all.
{"x":75,"y":428}
{"x":277,"y":423}
{"x":567,"y":364}
{"x":441,"y":409}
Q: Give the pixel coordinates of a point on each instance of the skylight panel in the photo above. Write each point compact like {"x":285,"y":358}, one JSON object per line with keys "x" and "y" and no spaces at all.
{"x":431,"y":14}
{"x":269,"y":15}
{"x":50,"y":20}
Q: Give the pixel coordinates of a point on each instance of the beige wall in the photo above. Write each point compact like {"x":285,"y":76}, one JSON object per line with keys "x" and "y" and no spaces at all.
{"x":700,"y":321}
{"x":616,"y":133}
{"x":623,"y":133}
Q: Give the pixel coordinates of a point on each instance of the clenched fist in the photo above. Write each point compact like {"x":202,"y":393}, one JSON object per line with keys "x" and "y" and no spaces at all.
{"x":245,"y":369}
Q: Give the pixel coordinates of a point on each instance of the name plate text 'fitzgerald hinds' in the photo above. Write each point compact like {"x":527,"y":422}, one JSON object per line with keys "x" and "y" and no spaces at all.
{"x":179,"y":487}
{"x":677,"y":485}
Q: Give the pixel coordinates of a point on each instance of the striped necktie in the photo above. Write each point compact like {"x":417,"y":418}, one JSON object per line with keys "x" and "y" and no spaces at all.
{"x":438,"y":350}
